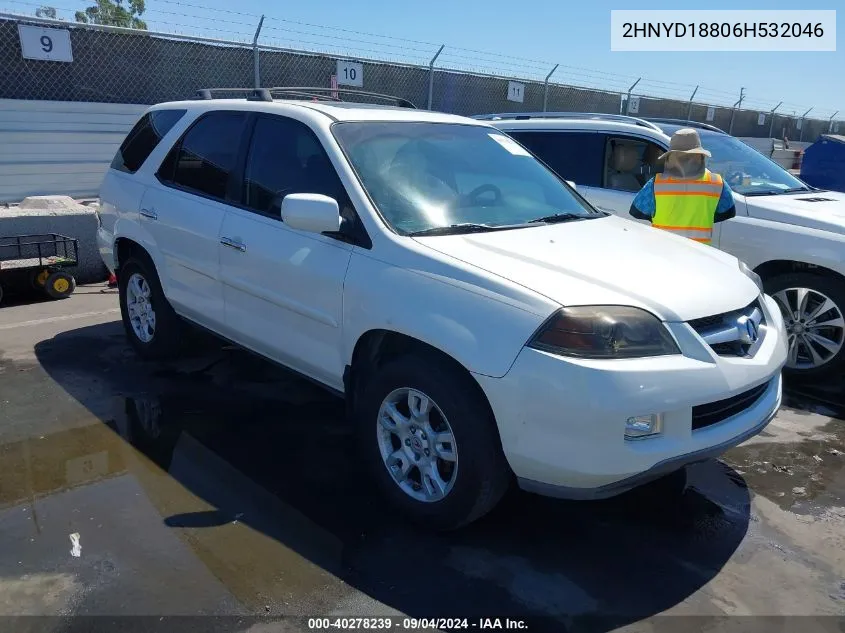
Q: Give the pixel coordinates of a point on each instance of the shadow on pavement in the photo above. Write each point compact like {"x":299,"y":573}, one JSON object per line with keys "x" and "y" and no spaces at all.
{"x":266,"y":450}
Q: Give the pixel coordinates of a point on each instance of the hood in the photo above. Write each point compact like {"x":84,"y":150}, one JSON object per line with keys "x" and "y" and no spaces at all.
{"x":608,"y":261}
{"x":823,"y":210}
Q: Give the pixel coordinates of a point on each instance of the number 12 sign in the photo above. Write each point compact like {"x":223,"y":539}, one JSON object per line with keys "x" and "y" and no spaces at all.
{"x":350,"y":73}
{"x":52,"y":45}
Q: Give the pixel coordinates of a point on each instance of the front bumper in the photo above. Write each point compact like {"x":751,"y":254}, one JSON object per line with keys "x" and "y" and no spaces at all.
{"x":562,"y":421}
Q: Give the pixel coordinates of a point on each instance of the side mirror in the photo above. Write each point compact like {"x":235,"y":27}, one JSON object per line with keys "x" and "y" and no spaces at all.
{"x":571,"y":183}
{"x":311,"y":212}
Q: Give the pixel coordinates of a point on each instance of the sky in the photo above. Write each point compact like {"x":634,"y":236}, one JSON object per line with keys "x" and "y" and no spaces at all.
{"x":519,"y":39}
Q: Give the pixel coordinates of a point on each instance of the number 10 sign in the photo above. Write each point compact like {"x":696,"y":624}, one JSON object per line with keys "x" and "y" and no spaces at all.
{"x":350,"y":73}
{"x":52,"y":45}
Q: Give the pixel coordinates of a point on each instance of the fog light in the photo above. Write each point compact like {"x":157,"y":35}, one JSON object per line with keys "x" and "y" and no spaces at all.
{"x":643,"y":426}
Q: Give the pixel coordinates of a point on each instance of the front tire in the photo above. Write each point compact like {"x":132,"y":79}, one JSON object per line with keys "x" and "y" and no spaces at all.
{"x":151,"y":324}
{"x":813,"y":309}
{"x":430,"y":441}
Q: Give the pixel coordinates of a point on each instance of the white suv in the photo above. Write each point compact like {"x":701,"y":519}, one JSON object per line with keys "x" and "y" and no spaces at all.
{"x":791,"y":234}
{"x":483,"y":321}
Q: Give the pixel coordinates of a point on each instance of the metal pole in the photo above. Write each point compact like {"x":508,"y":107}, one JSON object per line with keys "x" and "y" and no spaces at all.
{"x":546,"y":88}
{"x":689,"y":110}
{"x":733,"y":112}
{"x":772,"y":122}
{"x":255,"y":64}
{"x":431,"y":74}
{"x":801,"y":137}
{"x":830,"y":122}
{"x":628,"y":99}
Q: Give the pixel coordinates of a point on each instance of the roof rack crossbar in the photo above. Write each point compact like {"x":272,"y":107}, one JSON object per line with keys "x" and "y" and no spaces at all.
{"x":321,"y":92}
{"x":310,"y":92}
{"x":689,"y":123}
{"x":570,"y":115}
{"x":252,"y":94}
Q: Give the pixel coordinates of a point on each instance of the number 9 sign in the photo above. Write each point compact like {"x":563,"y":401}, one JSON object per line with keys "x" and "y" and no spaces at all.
{"x":52,"y":45}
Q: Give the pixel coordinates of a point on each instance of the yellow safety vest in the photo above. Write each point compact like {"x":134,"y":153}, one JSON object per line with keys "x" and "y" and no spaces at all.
{"x":687,"y":206}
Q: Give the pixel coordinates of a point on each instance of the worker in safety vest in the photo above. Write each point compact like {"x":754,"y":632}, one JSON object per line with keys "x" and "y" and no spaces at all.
{"x":686,"y":198}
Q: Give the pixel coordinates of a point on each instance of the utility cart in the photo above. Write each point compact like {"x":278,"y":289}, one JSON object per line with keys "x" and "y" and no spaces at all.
{"x":38,"y":261}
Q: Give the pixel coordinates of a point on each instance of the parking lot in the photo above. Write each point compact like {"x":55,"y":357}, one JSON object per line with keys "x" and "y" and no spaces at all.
{"x":220,"y":484}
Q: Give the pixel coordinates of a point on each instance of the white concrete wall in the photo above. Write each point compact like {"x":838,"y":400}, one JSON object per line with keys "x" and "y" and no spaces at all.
{"x":57,"y":147}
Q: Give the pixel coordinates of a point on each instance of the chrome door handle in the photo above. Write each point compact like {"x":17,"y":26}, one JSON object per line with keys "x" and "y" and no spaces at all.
{"x":226,"y":241}
{"x":149,"y":213}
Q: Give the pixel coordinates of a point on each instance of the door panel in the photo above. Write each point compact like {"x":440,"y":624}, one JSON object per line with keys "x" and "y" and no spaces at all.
{"x":283,"y":292}
{"x":186,"y":230}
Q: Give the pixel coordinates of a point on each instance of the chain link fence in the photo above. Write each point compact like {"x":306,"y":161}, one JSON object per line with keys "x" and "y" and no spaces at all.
{"x":115,"y":65}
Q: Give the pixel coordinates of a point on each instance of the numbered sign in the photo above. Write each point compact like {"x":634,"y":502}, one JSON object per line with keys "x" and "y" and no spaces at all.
{"x":633,"y":105}
{"x":799,"y":123}
{"x":52,"y":45}
{"x":836,"y":128}
{"x":350,"y":73}
{"x":516,"y":91}
{"x":761,"y":119}
{"x":711,"y":113}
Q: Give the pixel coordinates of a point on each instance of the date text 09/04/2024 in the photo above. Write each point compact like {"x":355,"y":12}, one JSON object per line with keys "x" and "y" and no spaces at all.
{"x":721,"y":29}
{"x":416,"y":624}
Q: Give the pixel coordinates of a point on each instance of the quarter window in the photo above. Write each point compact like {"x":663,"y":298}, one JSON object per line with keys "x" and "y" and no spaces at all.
{"x":144,"y":138}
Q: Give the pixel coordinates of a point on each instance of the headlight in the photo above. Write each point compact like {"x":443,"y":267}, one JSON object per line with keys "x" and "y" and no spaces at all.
{"x":604,"y":332}
{"x":751,"y":275}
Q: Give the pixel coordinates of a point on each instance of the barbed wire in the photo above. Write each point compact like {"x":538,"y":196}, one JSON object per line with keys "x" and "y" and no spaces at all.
{"x":322,"y":38}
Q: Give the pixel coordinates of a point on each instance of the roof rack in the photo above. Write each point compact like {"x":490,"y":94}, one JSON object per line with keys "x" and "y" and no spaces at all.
{"x":315,"y":93}
{"x":568,"y":115}
{"x":688,"y":123}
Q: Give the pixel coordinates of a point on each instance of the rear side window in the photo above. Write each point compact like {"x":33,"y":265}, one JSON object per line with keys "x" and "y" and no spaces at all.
{"x":575,"y":156}
{"x":203,"y":160}
{"x":143,"y":139}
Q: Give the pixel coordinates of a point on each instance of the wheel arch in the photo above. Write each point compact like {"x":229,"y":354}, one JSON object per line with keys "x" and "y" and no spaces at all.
{"x":776,"y":267}
{"x":378,"y":346}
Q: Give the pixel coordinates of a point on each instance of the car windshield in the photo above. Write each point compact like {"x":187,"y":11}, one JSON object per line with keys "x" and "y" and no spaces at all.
{"x":429,"y":176}
{"x":746,"y":170}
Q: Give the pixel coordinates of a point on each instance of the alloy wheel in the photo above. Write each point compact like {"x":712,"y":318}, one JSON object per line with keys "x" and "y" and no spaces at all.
{"x":814,"y":324}
{"x":142,"y":316}
{"x":417,"y":445}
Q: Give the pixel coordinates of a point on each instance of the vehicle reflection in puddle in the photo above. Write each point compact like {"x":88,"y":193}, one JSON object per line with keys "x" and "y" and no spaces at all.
{"x":257,"y":474}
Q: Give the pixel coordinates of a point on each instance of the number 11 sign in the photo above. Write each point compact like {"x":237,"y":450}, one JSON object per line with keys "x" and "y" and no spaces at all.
{"x":52,"y":45}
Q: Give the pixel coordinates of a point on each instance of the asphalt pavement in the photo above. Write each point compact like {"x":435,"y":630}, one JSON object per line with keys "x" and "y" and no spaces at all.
{"x":221,"y":485}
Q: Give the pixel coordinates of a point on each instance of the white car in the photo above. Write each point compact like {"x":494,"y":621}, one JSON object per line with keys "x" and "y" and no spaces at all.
{"x":484,"y":323}
{"x":789,"y":233}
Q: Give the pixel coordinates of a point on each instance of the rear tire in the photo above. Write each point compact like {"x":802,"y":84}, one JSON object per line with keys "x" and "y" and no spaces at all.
{"x":151,"y":324}
{"x":59,"y":285}
{"x":474,"y":475}
{"x":787,"y":290}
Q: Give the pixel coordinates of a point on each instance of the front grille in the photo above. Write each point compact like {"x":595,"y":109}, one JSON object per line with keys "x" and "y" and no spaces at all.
{"x":705,"y":415}
{"x":721,"y":333}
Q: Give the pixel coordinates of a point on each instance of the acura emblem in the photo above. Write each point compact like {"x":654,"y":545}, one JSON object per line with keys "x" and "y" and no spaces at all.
{"x":748,"y":330}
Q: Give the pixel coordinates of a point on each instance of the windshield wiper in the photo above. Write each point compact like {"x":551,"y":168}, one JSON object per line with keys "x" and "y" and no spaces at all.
{"x":457,"y":229}
{"x":562,"y":217}
{"x":796,"y":189}
{"x":768,"y":192}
